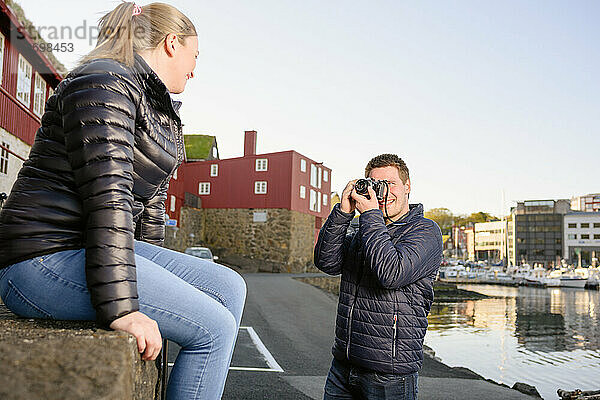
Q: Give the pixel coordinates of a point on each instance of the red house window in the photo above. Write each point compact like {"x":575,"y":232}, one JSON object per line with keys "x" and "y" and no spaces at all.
{"x":260,"y":187}
{"x":204,"y":188}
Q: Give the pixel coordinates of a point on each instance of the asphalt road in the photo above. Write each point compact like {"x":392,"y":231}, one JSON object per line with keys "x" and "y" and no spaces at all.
{"x":289,"y":325}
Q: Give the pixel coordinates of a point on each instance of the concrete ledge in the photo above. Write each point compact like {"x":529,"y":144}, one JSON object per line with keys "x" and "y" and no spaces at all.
{"x":42,"y":359}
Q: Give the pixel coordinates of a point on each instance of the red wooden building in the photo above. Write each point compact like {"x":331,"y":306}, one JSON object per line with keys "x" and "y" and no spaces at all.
{"x":27,"y":79}
{"x":285,"y":180}
{"x":259,"y":211}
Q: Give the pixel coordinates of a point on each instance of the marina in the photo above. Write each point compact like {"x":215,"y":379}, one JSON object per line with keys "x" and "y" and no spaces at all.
{"x":523,"y":275}
{"x":548,"y":337}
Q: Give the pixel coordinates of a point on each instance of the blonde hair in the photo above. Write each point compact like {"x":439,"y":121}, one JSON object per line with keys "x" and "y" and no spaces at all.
{"x":123,"y":34}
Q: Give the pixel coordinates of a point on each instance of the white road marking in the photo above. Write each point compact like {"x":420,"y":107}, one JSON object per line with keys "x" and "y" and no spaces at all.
{"x":253,"y":369}
{"x":275,"y":367}
{"x":260,"y":346}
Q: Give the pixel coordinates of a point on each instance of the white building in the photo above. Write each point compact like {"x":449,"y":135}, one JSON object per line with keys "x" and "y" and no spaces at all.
{"x":490,"y":240}
{"x":581,"y":237}
{"x":588,"y":203}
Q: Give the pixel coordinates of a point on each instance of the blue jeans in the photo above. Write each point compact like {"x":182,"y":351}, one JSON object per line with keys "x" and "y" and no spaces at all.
{"x":197,"y":304}
{"x":346,"y":381}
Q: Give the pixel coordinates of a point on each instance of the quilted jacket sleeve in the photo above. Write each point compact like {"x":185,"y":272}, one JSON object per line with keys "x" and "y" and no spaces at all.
{"x":99,"y":112}
{"x":152,"y":222}
{"x":413,"y":256}
{"x":333,"y":242}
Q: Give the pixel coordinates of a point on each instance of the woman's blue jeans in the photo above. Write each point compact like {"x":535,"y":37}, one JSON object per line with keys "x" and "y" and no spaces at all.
{"x":197,"y":304}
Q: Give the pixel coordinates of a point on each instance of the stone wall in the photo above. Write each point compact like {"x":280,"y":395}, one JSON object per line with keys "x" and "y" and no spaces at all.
{"x":282,"y":243}
{"x":190,"y":231}
{"x":330,"y":284}
{"x":68,"y":360}
{"x":302,"y":241}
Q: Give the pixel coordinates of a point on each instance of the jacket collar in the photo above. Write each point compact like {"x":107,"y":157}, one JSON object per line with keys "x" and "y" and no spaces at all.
{"x":415,"y":211}
{"x":154,"y":86}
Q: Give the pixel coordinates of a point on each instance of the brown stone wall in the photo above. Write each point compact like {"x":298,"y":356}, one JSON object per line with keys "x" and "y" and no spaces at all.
{"x":330,"y":284}
{"x":69,"y":360}
{"x":191,"y":222}
{"x":302,"y":239}
{"x":283,"y":243}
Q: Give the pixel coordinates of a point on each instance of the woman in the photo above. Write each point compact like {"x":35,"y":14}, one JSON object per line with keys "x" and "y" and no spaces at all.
{"x":81,"y":229}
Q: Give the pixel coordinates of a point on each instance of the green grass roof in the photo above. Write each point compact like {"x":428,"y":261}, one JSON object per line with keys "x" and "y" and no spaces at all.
{"x":198,"y":147}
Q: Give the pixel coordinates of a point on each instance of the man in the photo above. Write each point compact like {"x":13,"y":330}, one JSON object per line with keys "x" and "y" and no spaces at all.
{"x":388,"y":266}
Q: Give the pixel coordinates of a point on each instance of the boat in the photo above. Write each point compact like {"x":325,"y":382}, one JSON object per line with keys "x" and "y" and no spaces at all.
{"x":495,"y":274}
{"x":572,"y":280}
{"x":565,"y":278}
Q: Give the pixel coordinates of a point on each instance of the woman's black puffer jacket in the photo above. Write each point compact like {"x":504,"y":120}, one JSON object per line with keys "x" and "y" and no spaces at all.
{"x":96,"y":177}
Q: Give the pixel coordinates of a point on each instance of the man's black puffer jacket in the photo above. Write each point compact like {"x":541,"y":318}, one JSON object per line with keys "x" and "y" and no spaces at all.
{"x":386,"y":288}
{"x":96,"y":177}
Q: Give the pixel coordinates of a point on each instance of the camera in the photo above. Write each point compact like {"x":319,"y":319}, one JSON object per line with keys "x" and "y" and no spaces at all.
{"x":379,"y":187}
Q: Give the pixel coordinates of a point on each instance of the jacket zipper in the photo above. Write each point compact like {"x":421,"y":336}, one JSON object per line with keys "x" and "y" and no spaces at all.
{"x":394,"y":338}
{"x":350,"y":326}
{"x":176,"y":134}
{"x":360,"y":272}
{"x":178,"y":144}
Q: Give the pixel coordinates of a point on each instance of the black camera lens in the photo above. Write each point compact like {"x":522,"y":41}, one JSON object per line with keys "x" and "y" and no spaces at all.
{"x":362,"y":187}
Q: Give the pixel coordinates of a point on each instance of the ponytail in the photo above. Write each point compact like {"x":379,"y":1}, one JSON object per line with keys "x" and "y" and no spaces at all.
{"x":130,"y":28}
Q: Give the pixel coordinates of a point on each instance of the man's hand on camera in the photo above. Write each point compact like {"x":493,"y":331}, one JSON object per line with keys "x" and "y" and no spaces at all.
{"x":363,"y":204}
{"x":347,"y":202}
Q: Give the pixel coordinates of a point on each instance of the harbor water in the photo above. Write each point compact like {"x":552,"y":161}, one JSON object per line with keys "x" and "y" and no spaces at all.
{"x":546,"y":337}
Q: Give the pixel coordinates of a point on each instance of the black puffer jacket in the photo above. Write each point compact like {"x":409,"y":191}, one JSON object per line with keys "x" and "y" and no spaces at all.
{"x":96,"y":177}
{"x":386,"y":289}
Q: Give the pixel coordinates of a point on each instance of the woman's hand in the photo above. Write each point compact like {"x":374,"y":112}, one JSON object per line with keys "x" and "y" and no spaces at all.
{"x":145,"y":331}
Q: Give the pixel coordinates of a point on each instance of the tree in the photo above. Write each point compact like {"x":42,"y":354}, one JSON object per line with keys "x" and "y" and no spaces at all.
{"x":481,"y":217}
{"x":443,"y":217}
{"x":463,"y":220}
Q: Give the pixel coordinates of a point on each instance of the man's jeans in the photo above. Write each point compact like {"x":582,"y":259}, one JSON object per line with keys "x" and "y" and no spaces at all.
{"x":197,"y":304}
{"x":346,"y":381}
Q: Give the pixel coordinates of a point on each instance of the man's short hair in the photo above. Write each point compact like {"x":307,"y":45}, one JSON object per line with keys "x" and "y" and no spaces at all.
{"x":388,"y":160}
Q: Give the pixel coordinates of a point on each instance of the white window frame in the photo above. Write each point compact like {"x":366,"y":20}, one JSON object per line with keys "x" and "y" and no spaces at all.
{"x":39,"y":95}
{"x":204,"y":188}
{"x":214,"y":170}
{"x":262,"y":164}
{"x":312,"y":203}
{"x":2,"y":40}
{"x":325,"y":175}
{"x":302,"y":165}
{"x":302,"y":191}
{"x":260,"y":187}
{"x":4,"y":155}
{"x":24,"y":76}
{"x":325,"y":199}
{"x":319,"y":202}
{"x":319,"y":177}
{"x":173,"y":200}
{"x":313,"y":175}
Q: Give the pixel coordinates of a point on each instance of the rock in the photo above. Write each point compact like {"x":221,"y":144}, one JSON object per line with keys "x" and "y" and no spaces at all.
{"x":42,"y":359}
{"x":526,"y":389}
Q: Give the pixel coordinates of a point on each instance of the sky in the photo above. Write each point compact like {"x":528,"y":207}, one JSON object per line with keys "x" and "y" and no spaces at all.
{"x":488,"y":102}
